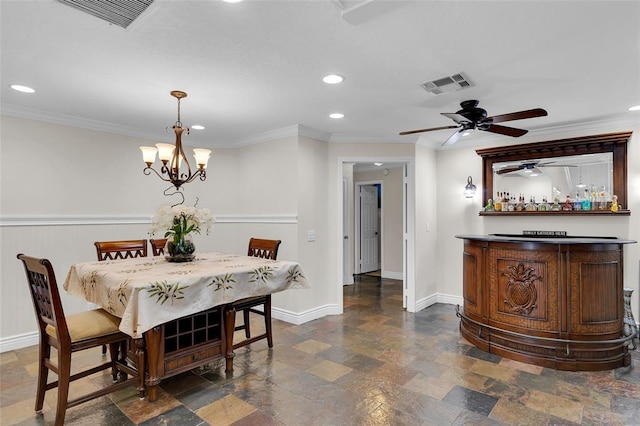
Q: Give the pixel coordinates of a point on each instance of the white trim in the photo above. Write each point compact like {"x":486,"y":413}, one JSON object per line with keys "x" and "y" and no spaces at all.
{"x":306,"y":316}
{"x":54,"y":220}
{"x":292,"y":219}
{"x":18,"y":342}
{"x":438,"y":298}
{"x":72,"y":220}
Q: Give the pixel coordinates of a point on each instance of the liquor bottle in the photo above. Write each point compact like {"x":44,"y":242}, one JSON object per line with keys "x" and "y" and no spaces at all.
{"x":531,"y":205}
{"x":567,"y":204}
{"x":497,"y":203}
{"x":602,"y":198}
{"x":543,"y":206}
{"x":577,"y":203}
{"x":594,"y":197}
{"x":556,"y":207}
{"x":586,"y":200}
{"x":520,"y":206}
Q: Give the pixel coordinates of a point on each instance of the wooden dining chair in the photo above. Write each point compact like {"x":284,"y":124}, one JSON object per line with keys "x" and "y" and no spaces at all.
{"x":267,"y":249}
{"x":125,"y":249}
{"x":69,"y":334}
{"x":157,"y":246}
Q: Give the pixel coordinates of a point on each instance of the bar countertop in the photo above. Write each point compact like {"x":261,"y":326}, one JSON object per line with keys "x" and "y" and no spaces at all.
{"x":517,"y":238}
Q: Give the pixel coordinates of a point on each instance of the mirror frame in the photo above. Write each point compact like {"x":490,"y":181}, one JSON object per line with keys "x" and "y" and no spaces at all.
{"x":615,"y":143}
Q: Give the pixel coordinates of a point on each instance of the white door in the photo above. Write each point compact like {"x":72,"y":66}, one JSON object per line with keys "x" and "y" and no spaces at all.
{"x":369,"y":232}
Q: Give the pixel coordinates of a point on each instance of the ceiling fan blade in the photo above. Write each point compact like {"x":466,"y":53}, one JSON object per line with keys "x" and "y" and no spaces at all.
{"x":460,"y":119}
{"x":508,"y":131}
{"x":454,"y":137}
{"x":530,"y":113}
{"x":409,"y":132}
{"x":508,"y":170}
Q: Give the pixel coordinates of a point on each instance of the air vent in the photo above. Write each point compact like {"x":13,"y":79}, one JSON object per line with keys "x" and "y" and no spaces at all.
{"x":116,"y":12}
{"x":447,"y":84}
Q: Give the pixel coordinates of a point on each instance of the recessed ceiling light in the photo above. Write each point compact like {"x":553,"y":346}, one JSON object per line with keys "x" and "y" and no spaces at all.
{"x":197,"y":127}
{"x":635,"y":108}
{"x":378,"y":164}
{"x":336,"y":115}
{"x":333,"y":79}
{"x":20,"y":88}
{"x":232,"y":1}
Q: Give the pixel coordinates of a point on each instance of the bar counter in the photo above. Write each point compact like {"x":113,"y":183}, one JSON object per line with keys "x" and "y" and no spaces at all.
{"x":551,"y":301}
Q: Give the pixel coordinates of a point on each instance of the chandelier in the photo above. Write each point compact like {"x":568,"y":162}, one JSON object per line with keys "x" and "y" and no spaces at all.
{"x":175,"y":166}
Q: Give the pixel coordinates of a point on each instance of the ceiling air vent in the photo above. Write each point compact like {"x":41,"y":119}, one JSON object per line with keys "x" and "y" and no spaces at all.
{"x":447,"y":84}
{"x":116,"y":12}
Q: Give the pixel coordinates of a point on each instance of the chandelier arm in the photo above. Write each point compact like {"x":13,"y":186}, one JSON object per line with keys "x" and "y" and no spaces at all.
{"x":147,"y":171}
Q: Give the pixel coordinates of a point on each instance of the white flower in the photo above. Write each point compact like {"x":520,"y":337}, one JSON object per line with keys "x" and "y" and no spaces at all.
{"x":174,"y":221}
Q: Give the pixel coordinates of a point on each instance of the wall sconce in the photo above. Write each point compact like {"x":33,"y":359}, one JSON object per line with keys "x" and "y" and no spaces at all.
{"x":470,"y":189}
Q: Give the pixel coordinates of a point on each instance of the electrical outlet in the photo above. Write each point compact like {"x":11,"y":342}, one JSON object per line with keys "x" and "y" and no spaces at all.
{"x":311,"y":235}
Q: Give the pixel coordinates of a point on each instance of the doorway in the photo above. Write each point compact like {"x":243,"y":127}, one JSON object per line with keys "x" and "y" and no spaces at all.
{"x":347,"y":206}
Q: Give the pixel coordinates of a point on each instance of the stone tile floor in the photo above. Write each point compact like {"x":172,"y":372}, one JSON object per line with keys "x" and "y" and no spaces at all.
{"x":373,"y":365}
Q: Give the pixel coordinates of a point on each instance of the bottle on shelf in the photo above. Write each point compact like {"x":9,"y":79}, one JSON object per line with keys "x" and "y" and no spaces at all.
{"x":568,"y":205}
{"x":544,"y":206}
{"x":602,"y":198}
{"x":531,"y":206}
{"x":520,"y":205}
{"x":577,"y":203}
{"x":586,"y":200}
{"x":556,"y":207}
{"x":497,"y":203}
{"x":594,"y":197}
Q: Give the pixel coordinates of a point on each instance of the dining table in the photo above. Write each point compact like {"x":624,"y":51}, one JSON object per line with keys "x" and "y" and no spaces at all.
{"x":179,"y":314}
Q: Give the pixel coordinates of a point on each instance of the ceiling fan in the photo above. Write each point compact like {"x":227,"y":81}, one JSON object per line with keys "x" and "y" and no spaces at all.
{"x":530,"y":166}
{"x":471,"y":117}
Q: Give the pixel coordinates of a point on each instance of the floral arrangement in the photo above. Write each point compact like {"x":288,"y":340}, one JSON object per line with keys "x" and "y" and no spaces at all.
{"x":179,"y":221}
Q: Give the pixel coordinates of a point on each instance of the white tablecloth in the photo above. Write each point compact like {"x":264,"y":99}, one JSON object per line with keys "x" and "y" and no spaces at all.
{"x":146,"y":292}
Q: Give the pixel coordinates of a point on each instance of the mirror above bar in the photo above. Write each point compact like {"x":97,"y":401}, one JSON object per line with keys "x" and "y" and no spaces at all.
{"x":581,"y":175}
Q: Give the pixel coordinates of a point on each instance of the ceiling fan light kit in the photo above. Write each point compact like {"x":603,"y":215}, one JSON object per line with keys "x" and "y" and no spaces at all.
{"x":471,"y":117}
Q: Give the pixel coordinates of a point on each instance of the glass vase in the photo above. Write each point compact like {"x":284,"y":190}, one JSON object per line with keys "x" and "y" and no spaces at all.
{"x":181,"y":250}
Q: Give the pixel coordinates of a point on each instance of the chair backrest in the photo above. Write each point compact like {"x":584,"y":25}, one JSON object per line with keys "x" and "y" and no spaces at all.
{"x":45,"y":296}
{"x":157,"y":246}
{"x":267,"y":249}
{"x":111,"y":250}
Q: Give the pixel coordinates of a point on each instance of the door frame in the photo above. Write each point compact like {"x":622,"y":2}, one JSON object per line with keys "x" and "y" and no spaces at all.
{"x":409,"y":249}
{"x":358,"y":218}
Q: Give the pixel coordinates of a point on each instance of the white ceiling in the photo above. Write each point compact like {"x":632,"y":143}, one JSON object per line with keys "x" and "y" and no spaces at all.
{"x":255,"y":68}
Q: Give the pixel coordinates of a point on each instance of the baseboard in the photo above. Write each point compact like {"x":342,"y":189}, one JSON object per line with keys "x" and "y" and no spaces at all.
{"x":438,"y":298}
{"x":18,"y":342}
{"x":310,"y":315}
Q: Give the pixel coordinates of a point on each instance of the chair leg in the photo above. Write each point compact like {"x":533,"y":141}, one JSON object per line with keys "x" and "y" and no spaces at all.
{"x":64,"y":375}
{"x":267,"y":320}
{"x":247,"y":330}
{"x":43,"y":374}
{"x":114,"y":353}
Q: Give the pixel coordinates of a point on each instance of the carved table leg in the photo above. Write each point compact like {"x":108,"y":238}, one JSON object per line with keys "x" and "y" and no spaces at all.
{"x":140,"y":364}
{"x":229,"y":328}
{"x":153,"y":340}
